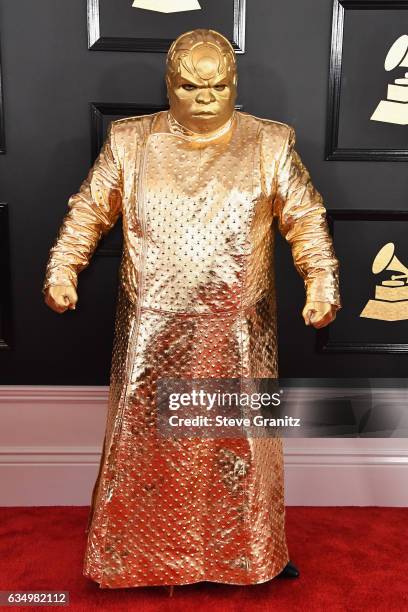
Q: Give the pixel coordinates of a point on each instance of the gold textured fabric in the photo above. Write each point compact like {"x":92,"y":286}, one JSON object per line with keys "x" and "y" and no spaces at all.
{"x":196,"y":300}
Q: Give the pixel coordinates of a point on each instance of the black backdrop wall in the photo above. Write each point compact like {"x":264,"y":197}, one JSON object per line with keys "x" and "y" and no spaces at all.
{"x":50,"y":78}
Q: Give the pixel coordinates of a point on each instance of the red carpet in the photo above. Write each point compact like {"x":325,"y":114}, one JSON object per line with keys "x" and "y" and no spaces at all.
{"x":349,"y":558}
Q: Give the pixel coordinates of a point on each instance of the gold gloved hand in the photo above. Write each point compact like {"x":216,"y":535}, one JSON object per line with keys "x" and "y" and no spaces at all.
{"x":319,"y":314}
{"x":61,"y":298}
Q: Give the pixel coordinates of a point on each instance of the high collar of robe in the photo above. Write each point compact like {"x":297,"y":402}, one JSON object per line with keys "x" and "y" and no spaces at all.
{"x":177,"y":128}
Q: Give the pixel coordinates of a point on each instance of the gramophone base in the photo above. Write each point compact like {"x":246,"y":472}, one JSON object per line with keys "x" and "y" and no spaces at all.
{"x":385,"y":311}
{"x":391,"y":112}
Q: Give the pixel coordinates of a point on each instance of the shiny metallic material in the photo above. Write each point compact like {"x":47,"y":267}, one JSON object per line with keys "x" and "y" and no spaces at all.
{"x":201,"y":80}
{"x":196,"y":300}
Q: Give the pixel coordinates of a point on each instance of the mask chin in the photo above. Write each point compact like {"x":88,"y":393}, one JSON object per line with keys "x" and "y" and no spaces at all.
{"x":199,"y":124}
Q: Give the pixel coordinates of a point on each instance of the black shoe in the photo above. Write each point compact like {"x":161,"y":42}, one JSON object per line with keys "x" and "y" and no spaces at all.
{"x":289,"y":571}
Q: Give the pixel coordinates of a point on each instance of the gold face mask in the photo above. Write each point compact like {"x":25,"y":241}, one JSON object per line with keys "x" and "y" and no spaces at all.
{"x":201,"y":80}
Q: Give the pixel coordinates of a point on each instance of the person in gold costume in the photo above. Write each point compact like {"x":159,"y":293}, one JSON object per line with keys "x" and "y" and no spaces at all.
{"x":200,"y":188}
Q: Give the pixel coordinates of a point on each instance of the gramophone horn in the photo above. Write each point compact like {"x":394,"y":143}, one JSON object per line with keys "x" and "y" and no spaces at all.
{"x":386,"y":260}
{"x":383,"y":258}
{"x":398,"y":54}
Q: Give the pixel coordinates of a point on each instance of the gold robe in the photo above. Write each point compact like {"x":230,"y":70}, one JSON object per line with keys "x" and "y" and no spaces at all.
{"x":196,"y":300}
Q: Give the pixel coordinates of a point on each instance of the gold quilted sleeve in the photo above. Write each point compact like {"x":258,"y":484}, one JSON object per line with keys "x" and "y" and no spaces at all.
{"x":93,"y":211}
{"x":301,"y":216}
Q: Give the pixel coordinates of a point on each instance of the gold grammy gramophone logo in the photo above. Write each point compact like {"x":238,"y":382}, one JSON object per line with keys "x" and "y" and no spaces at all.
{"x":165,"y":6}
{"x":391,"y":296}
{"x":395,"y":108}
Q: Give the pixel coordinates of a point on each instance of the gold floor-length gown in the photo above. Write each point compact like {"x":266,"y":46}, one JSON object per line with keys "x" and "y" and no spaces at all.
{"x":196,"y":299}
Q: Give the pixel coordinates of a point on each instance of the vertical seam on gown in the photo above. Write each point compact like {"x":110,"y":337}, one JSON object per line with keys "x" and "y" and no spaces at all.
{"x":134,"y":333}
{"x":245,"y":504}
